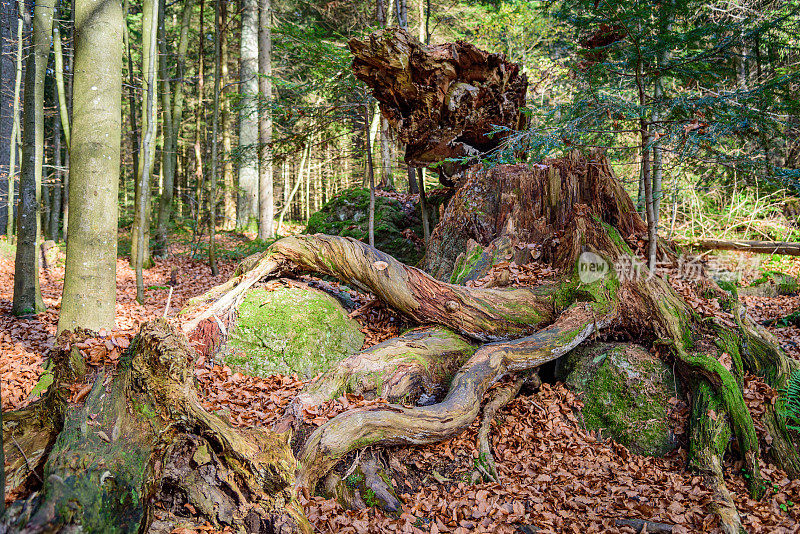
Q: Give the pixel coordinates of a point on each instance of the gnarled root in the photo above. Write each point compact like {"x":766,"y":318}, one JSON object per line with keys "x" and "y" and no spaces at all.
{"x":396,"y":424}
{"x":418,"y":362}
{"x":483,"y":314}
{"x":710,"y":433}
{"x":122,"y":448}
{"x":499,"y":397}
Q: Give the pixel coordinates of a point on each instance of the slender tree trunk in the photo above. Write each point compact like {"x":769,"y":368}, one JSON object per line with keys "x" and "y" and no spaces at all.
{"x":288,"y":203}
{"x":172,"y":104}
{"x":135,"y":133}
{"x":229,"y":202}
{"x":90,"y":280}
{"x":266,"y":199}
{"x":371,"y":173}
{"x":212,"y":195}
{"x":55,"y":210}
{"x":423,"y":204}
{"x":658,"y":96}
{"x":248,"y":116}
{"x":422,"y":25}
{"x":68,"y":97}
{"x":198,"y":149}
{"x":7,"y":14}
{"x":60,"y":93}
{"x":16,"y":134}
{"x":27,"y":293}
{"x":168,"y":143}
{"x":140,"y":235}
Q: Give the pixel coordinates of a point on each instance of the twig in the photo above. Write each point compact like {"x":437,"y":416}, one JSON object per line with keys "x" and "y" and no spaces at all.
{"x":27,"y":463}
{"x":169,"y":299}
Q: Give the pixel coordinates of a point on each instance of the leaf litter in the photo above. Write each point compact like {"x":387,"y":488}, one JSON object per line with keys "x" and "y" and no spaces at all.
{"x":554,"y":475}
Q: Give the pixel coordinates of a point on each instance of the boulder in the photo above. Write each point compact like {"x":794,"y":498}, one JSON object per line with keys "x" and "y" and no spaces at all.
{"x":626,"y":392}
{"x":398,"y":224}
{"x":290,"y":329}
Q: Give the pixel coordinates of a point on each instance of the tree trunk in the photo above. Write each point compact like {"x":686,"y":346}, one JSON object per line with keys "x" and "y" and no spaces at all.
{"x":229,"y":202}
{"x":212,"y":195}
{"x":248,"y":116}
{"x":371,"y":174}
{"x":55,"y":209}
{"x":763,"y":247}
{"x":140,"y":232}
{"x":16,"y":134}
{"x":27,"y":293}
{"x":149,"y":440}
{"x":266,"y":200}
{"x":90,"y":282}
{"x":135,"y":133}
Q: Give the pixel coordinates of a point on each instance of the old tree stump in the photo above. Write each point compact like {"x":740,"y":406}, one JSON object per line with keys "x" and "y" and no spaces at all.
{"x":140,"y":436}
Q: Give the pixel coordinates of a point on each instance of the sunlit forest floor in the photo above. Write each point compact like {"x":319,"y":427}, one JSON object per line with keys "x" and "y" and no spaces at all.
{"x":554,"y":476}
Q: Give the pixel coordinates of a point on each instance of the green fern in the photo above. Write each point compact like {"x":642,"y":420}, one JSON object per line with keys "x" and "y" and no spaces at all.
{"x":789,"y":403}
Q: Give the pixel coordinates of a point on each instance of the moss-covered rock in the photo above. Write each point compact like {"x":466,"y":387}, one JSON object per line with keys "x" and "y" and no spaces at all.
{"x":348,"y":215}
{"x":288,"y":330}
{"x":771,"y":284}
{"x":625,"y":391}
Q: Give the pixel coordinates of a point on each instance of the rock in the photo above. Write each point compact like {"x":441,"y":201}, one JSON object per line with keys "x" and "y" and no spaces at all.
{"x":625,"y":391}
{"x":771,"y":284}
{"x":398,"y":225}
{"x":302,"y":330}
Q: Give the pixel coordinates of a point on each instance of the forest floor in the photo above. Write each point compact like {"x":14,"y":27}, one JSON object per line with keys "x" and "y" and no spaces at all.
{"x":553,"y":475}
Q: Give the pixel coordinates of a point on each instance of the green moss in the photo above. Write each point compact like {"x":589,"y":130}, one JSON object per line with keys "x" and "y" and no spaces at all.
{"x":290,"y":330}
{"x":465,"y":265}
{"x":41,"y":386}
{"x":347,"y":215}
{"x":625,"y":391}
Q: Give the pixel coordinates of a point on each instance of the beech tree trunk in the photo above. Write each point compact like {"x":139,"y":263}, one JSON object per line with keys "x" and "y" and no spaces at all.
{"x":248,"y":116}
{"x":27,"y":293}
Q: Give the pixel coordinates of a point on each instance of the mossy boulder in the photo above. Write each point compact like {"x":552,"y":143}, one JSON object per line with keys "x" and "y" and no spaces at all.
{"x":288,"y":330}
{"x":771,"y":284}
{"x":626,"y":392}
{"x":348,"y":215}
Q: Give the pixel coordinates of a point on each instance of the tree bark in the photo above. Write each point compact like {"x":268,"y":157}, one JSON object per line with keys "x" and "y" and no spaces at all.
{"x":266,"y":200}
{"x":27,"y":293}
{"x":16,"y":134}
{"x":248,"y":116}
{"x":140,"y":231}
{"x":90,"y":282}
{"x":212,"y":195}
{"x":229,"y":201}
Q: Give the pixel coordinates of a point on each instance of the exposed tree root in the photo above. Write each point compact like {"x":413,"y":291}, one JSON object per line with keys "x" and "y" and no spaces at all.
{"x":395,"y":424}
{"x":710,"y":433}
{"x":123,"y":447}
{"x":483,"y":314}
{"x":569,"y":207}
{"x":500,"y":396}
{"x":419,"y":362}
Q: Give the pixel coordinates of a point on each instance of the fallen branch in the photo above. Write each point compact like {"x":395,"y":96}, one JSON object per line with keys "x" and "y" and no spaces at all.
{"x":764,"y":247}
